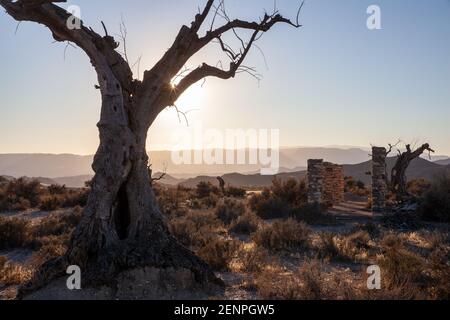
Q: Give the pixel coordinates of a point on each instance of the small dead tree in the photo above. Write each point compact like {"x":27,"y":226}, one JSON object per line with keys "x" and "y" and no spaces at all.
{"x":398,"y":174}
{"x":122,"y":226}
{"x":221,"y":184}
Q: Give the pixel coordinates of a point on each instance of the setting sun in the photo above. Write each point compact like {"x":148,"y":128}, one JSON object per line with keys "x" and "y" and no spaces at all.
{"x":193,"y":98}
{"x":224,"y":155}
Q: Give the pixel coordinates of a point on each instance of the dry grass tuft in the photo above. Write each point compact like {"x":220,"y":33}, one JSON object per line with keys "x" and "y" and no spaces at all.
{"x":13,"y":273}
{"x":14,"y":232}
{"x":255,"y":259}
{"x":219,"y":253}
{"x":288,"y":235}
{"x":310,"y":282}
{"x":351,"y":247}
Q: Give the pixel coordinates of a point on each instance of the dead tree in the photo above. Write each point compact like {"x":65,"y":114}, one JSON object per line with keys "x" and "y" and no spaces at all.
{"x":221,"y":184}
{"x":122,"y":226}
{"x":398,"y":174}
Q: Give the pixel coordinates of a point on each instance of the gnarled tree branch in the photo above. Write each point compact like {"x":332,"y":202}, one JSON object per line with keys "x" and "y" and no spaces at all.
{"x":237,"y":59}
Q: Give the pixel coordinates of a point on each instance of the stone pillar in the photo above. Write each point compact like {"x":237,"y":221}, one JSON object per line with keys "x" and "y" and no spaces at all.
{"x":339,"y":176}
{"x":379,"y":186}
{"x":334,"y":184}
{"x":315,"y":180}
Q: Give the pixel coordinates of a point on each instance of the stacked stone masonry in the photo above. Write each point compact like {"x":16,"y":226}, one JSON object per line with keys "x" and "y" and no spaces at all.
{"x":325,"y":182}
{"x":379,"y":185}
{"x":334,"y":184}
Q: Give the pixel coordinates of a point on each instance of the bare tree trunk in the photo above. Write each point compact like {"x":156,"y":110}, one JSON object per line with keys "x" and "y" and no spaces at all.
{"x":122,"y":227}
{"x":398,"y":181}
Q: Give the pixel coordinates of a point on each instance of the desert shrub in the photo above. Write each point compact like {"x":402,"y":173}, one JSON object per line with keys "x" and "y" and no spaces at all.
{"x":57,"y":223}
{"x":205,"y":189}
{"x":354,"y":246}
{"x":391,"y":240}
{"x":14,"y":232}
{"x":73,"y":217}
{"x":55,"y":189}
{"x":291,"y":191}
{"x":371,"y":228}
{"x":195,"y":204}
{"x":402,"y":220}
{"x":195,"y":229}
{"x":184,"y":230}
{"x":400,"y":267}
{"x":268,"y":206}
{"x":255,"y":199}
{"x":54,"y":248}
{"x":203,"y":219}
{"x":350,"y":247}
{"x":210,"y":201}
{"x":280,"y":199}
{"x":312,"y":214}
{"x":49,"y":203}
{"x":312,"y":279}
{"x":29,"y":190}
{"x":219,"y":252}
{"x":418,"y":187}
{"x":278,"y":286}
{"x":350,"y":183}
{"x":228,"y":210}
{"x":19,"y":232}
{"x":326,"y":246}
{"x":13,"y":273}
{"x":75,"y":198}
{"x":245,"y":224}
{"x":169,"y":199}
{"x":356,"y":187}
{"x":3,"y":261}
{"x":20,"y":194}
{"x":175,"y":200}
{"x":359,"y":239}
{"x":235,"y":192}
{"x":440,"y":272}
{"x":13,"y":203}
{"x":283,"y":235}
{"x":435,"y":205}
{"x":309,"y":283}
{"x":255,"y":259}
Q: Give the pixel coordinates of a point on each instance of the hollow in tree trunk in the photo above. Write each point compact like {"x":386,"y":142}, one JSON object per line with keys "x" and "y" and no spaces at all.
{"x":122,"y":227}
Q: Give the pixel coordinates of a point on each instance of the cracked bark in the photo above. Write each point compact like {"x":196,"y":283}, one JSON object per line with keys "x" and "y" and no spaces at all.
{"x":122,"y":227}
{"x":398,"y":181}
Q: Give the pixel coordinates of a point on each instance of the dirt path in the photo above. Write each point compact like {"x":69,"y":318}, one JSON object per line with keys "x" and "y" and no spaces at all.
{"x":351,"y":211}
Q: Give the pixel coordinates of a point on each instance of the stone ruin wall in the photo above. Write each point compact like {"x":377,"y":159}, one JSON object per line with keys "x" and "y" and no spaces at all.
{"x":315,"y":180}
{"x":325,"y":182}
{"x":334,"y":184}
{"x":379,"y":185}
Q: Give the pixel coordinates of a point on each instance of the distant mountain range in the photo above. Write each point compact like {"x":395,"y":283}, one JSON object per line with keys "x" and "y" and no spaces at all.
{"x":419,"y":169}
{"x":45,"y":165}
{"x":444,"y":162}
{"x":74,"y":170}
{"x":69,"y":165}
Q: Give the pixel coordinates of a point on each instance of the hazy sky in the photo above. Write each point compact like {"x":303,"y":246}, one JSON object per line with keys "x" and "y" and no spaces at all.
{"x":332,"y":82}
